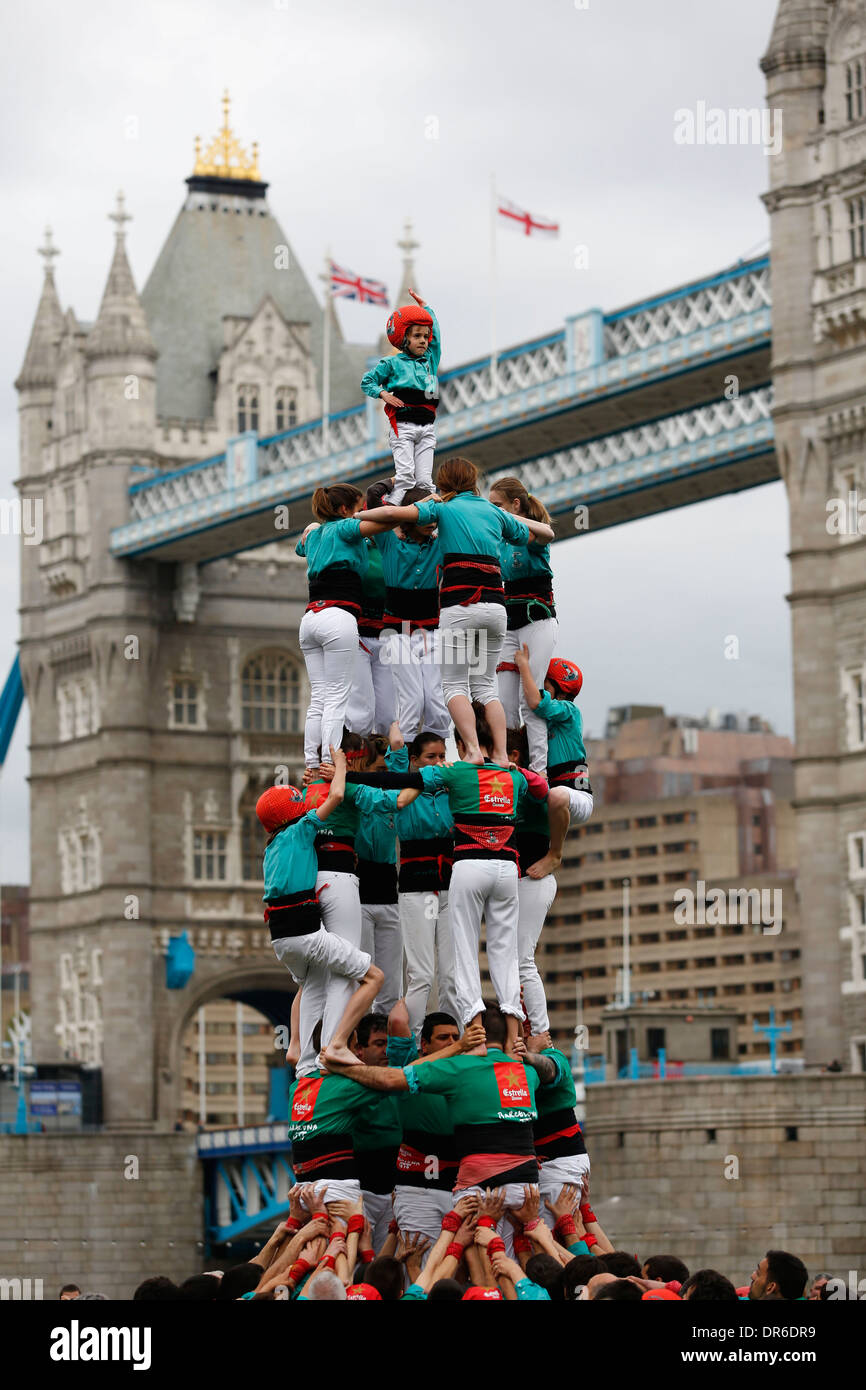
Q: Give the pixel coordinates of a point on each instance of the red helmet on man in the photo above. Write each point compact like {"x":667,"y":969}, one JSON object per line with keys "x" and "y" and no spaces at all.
{"x":565,"y":676}
{"x":403,"y":319}
{"x":279,"y":805}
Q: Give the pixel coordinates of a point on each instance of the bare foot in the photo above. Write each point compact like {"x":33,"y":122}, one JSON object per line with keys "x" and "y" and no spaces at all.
{"x":501,"y":759}
{"x":542,"y":867}
{"x":473,"y":755}
{"x":339,"y":1056}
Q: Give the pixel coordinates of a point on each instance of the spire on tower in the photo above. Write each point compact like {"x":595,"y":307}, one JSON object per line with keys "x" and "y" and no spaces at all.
{"x":40,"y":359}
{"x":407,"y":245}
{"x":121,"y":325}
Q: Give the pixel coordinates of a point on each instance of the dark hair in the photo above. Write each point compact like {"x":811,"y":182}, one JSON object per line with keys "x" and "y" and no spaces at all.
{"x":352,"y":743}
{"x":545,"y":1270}
{"x":158,"y":1288}
{"x":410,"y":529}
{"x":420,"y":741}
{"x":328,"y":502}
{"x":377,"y":747}
{"x":513,"y":490}
{"x":577,"y":1272}
{"x":517,"y":741}
{"x":386,"y":1275}
{"x":446,"y":1291}
{"x":69,"y":1288}
{"x":370,"y":1023}
{"x":620,"y":1290}
{"x":238,"y":1281}
{"x":376,"y":493}
{"x":199,"y":1288}
{"x":456,"y":475}
{"x":666,"y":1267}
{"x":708,"y":1285}
{"x":438,"y":1020}
{"x":415,"y":494}
{"x":788,"y":1272}
{"x":495,"y":1025}
{"x":482,"y":729}
{"x":621,"y":1263}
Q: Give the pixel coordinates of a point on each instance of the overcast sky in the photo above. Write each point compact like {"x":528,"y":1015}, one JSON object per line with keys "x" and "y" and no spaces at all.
{"x":366,"y":115}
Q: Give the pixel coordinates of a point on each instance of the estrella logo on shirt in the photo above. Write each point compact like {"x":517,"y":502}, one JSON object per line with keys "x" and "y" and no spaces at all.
{"x":305,"y":1097}
{"x":495,"y":791}
{"x":512,"y":1084}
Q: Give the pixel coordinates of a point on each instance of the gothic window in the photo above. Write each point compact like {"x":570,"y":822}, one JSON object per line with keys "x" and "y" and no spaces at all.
{"x":77,"y":708}
{"x":79,"y":860}
{"x":857,"y":855}
{"x":69,"y":510}
{"x":69,"y":409}
{"x":855,"y":933}
{"x":252,"y":839}
{"x":857,"y":226}
{"x":248,"y":408}
{"x":209,"y":856}
{"x":854,"y":694}
{"x":185,"y":701}
{"x":828,"y":233}
{"x":287,"y":408}
{"x":855,"y":96}
{"x":270,"y":694}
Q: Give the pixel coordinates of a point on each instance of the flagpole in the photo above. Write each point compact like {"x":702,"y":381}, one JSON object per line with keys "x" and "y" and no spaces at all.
{"x":493,"y":282}
{"x":326,"y":353}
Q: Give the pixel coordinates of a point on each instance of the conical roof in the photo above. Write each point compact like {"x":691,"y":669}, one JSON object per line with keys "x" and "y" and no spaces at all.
{"x":799,"y":31}
{"x":225,"y":253}
{"x":407,"y":245}
{"x":40,"y":359}
{"x":121,"y":324}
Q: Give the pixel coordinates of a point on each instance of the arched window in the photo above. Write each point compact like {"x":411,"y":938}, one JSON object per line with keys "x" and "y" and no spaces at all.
{"x":253,"y":838}
{"x":248,"y":408}
{"x":270,"y":694}
{"x":855,"y":94}
{"x":287,"y":408}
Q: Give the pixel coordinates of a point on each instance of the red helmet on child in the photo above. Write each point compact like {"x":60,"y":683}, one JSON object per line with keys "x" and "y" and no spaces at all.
{"x":402,"y":320}
{"x":566,"y":676}
{"x":279,"y":805}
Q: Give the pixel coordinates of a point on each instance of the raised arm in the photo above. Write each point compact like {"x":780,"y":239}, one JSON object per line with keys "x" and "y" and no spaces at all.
{"x":530,"y":689}
{"x":337,"y":788}
{"x":545,"y":1067}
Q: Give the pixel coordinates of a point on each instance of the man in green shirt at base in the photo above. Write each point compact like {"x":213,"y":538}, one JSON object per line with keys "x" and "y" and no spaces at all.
{"x":491,"y":1100}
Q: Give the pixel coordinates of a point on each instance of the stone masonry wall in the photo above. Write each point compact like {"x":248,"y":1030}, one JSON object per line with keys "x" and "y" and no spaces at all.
{"x":69,"y":1215}
{"x":658,"y":1181}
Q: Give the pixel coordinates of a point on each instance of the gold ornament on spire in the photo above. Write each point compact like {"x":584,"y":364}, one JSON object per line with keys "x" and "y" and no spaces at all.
{"x":224,"y":157}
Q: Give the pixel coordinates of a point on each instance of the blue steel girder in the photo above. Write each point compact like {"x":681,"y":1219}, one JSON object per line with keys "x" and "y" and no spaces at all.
{"x":233,"y":1180}
{"x":600,"y":377}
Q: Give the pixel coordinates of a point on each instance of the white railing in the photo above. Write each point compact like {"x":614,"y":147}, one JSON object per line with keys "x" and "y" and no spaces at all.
{"x":463,"y":389}
{"x":675,"y":317}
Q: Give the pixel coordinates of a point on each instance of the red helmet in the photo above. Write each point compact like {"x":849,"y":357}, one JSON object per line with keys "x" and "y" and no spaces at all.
{"x":279,"y":805}
{"x":402,"y":320}
{"x":566,"y":676}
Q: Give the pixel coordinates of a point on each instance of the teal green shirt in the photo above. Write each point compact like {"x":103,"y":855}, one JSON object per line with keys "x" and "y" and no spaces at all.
{"x":344,"y":822}
{"x":429,"y":816}
{"x":408,"y":565}
{"x":290,"y":863}
{"x":334,"y":543}
{"x":564,"y":730}
{"x":470,"y":525}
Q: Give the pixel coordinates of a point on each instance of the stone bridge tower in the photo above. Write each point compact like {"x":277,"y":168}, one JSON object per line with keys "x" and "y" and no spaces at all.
{"x":816,"y":76}
{"x":162,"y":697}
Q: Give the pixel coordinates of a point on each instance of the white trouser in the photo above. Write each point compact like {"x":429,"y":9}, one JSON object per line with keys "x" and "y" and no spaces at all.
{"x":341,"y":915}
{"x":379,"y":1212}
{"x":471,"y":644}
{"x":413,"y":659}
{"x":427,"y":943}
{"x":341,"y":1190}
{"x":371,"y":702}
{"x":422,"y":1210}
{"x":554,"y":1175}
{"x":579,"y":806}
{"x":534,"y":896}
{"x":329,"y":641}
{"x":485,"y":888}
{"x":382,"y":939}
{"x":329,"y":968}
{"x":540,"y":638}
{"x":514,"y":1198}
{"x":413,"y":447}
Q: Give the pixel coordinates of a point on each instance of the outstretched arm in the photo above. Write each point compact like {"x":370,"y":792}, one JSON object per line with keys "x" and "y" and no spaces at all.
{"x":530,"y":689}
{"x":387,"y":517}
{"x":375,"y":1078}
{"x":545,"y":1067}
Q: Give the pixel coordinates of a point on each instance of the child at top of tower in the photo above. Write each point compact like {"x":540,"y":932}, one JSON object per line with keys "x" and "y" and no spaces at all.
{"x":408,"y":384}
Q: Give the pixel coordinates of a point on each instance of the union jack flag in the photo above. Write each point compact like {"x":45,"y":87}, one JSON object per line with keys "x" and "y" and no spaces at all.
{"x":345,"y":284}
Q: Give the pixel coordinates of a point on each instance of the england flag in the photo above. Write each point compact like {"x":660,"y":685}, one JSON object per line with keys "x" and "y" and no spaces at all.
{"x":527,"y":223}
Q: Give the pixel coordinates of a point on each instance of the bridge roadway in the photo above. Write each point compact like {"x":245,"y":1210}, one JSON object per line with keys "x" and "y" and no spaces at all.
{"x":626,"y":413}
